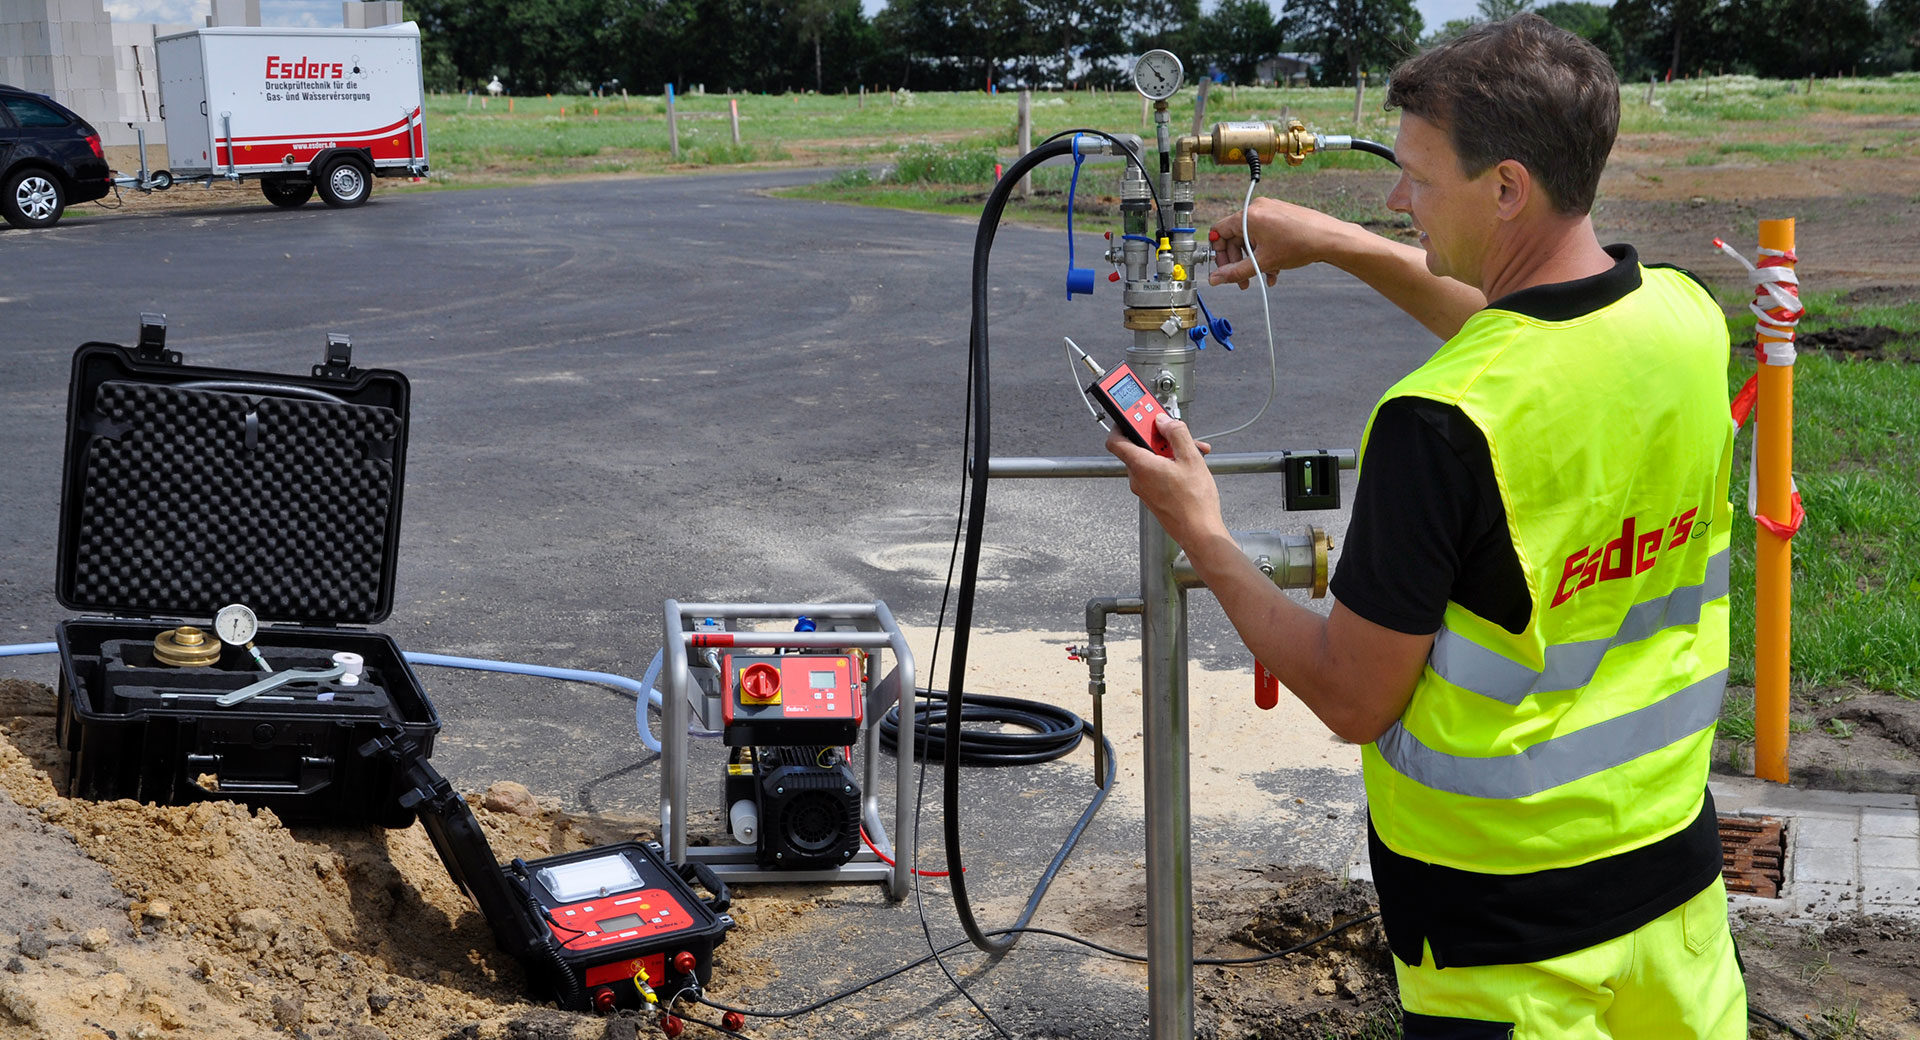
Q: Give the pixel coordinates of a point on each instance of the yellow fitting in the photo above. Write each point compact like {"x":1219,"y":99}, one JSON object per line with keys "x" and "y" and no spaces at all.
{"x":640,"y":983}
{"x":1166,"y":244}
{"x":1179,"y":273}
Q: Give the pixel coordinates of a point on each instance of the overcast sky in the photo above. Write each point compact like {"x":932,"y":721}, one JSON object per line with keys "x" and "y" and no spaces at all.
{"x":327,"y":12}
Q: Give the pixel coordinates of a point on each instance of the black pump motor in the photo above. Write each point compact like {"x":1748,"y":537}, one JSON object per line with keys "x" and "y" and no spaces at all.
{"x":808,"y":803}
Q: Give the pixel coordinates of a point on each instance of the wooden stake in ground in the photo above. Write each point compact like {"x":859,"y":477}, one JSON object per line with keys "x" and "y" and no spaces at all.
{"x":1025,"y":187}
{"x":1145,"y":111}
{"x":1649,"y":88}
{"x":1773,"y":555}
{"x":1359,"y":96}
{"x":733,"y":115}
{"x":673,"y":126}
{"x":1200,"y":104}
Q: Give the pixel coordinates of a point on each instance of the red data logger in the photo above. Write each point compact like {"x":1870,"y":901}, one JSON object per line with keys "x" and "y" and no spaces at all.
{"x":1133,"y":410}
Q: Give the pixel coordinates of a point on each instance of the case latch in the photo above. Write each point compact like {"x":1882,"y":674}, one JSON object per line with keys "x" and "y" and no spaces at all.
{"x":153,"y":340}
{"x":339,"y":362}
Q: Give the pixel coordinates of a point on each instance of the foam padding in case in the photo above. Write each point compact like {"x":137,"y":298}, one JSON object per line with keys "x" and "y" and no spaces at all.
{"x":181,"y":500}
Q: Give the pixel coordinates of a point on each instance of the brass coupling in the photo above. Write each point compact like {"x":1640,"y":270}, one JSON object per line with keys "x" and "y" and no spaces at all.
{"x":1233,"y":142}
{"x":1153,"y":319}
{"x":186,"y":647}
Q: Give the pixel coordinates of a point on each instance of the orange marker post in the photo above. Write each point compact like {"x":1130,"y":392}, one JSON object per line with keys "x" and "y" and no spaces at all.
{"x":1773,"y":580}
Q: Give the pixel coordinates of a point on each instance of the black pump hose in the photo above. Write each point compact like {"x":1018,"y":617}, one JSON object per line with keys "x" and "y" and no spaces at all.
{"x":1056,"y":732}
{"x":979,"y":451}
{"x":1374,"y":148}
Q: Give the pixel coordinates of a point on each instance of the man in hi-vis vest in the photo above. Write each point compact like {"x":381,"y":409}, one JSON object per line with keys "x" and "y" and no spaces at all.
{"x":1529,"y":631}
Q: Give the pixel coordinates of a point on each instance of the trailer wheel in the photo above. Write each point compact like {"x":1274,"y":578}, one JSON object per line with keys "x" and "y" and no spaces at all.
{"x":285,"y":193}
{"x":33,"y":199}
{"x":345,"y":184}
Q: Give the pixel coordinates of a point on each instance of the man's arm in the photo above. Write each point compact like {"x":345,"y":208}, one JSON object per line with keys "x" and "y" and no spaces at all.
{"x":1354,"y":675}
{"x":1286,"y":236}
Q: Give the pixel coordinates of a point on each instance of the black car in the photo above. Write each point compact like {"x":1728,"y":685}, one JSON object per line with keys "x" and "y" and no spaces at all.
{"x":49,"y":159}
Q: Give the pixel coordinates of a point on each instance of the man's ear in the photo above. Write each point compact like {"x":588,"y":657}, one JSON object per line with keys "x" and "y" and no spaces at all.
{"x":1515,"y":188}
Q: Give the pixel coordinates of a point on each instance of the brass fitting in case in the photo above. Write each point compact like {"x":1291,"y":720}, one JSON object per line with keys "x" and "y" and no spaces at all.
{"x":186,"y":647}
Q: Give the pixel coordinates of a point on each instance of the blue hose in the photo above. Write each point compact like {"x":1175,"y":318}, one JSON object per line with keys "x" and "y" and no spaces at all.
{"x":644,"y":693}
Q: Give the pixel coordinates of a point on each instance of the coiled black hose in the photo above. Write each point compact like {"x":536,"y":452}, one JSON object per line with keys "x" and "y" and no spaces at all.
{"x":1054,"y":732}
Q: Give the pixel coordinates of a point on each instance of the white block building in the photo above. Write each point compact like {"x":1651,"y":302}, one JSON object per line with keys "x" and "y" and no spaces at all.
{"x":73,"y":52}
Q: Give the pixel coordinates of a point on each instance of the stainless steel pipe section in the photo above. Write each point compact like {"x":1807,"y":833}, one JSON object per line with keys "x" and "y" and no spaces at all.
{"x":1286,"y":558}
{"x":1220,"y":463}
{"x":1167,"y":776}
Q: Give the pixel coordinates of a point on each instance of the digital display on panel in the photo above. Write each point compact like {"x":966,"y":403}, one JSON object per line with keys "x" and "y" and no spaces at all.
{"x":1127,"y":391}
{"x":620,"y":924}
{"x":821,"y":680}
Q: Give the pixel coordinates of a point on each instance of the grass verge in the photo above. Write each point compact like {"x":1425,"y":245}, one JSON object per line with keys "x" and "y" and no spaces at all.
{"x":1856,"y":559}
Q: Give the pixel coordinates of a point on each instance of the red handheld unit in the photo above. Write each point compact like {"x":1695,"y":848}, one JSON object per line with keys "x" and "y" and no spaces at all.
{"x":1132,"y":409}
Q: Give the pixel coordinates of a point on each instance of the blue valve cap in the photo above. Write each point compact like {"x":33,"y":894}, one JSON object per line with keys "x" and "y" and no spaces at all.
{"x":804,"y":624}
{"x":1222,"y":331}
{"x":1198,"y":334}
{"x":1079,"y":281}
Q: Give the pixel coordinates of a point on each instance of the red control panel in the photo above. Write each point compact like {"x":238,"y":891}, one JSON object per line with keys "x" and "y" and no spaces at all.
{"x":619,"y":918}
{"x":793,"y":698}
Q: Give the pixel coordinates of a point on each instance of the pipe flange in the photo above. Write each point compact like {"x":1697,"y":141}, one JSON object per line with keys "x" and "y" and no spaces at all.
{"x":186,"y":647}
{"x":1322,"y":545}
{"x":1149,"y":319}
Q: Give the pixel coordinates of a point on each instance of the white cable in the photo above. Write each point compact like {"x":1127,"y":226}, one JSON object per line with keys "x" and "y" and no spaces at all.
{"x":1073,"y":376}
{"x":1266,"y":311}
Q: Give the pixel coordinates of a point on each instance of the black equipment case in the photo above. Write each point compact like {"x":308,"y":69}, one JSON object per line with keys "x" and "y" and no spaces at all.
{"x":186,"y":489}
{"x":589,"y":938}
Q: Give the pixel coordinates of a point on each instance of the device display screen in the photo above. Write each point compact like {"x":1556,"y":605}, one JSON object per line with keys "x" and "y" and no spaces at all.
{"x":821,"y":680}
{"x":620,"y":924}
{"x":1126,"y":391}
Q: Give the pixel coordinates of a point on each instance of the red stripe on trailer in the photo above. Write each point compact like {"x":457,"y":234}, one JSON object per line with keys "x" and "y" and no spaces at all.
{"x":382,"y":143}
{"x":706,"y":639}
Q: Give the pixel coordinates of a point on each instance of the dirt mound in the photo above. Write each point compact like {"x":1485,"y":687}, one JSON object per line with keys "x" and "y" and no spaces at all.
{"x":130,"y":920}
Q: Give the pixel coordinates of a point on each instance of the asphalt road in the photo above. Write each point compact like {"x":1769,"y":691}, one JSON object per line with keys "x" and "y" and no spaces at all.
{"x":635,"y":389}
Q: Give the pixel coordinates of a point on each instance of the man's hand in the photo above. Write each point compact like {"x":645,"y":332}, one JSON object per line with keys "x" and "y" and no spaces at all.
{"x":1179,"y":491}
{"x":1285,"y":236}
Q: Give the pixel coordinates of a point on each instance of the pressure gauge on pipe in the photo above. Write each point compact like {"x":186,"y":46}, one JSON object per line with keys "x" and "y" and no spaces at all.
{"x":1157,"y":74}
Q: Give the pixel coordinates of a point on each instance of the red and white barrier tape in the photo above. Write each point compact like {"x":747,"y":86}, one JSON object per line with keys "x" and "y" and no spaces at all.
{"x":1775,"y":282}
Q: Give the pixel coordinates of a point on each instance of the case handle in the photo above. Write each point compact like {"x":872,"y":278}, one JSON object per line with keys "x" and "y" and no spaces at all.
{"x":722,"y":898}
{"x":315,"y":775}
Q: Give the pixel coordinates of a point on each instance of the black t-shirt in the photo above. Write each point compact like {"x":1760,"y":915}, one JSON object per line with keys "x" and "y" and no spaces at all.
{"x":1429,"y":528}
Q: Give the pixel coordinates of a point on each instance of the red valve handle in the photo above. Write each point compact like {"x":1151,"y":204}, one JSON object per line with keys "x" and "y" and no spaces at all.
{"x":1266,"y":688}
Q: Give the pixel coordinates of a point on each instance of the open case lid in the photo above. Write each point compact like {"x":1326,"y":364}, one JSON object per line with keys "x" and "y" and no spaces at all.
{"x":186,"y":489}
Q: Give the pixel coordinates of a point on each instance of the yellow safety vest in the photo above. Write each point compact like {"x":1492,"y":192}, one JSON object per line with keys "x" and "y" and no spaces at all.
{"x":1588,"y":734}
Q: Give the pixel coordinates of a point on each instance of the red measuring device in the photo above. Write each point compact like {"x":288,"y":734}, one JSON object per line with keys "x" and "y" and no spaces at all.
{"x":1132,"y":409}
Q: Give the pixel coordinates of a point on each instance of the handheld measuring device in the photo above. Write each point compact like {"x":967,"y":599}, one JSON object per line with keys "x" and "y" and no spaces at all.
{"x":1125,"y":399}
{"x":1131,"y":408}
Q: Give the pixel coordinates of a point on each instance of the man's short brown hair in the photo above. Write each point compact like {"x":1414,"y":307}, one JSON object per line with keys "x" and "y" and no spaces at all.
{"x":1523,"y":89}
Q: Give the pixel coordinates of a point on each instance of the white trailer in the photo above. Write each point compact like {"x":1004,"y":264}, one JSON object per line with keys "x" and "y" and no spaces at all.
{"x":297,"y":109}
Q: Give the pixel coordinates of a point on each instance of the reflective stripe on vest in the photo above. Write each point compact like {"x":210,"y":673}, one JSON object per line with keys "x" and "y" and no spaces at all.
{"x":1563,"y":759}
{"x":1570,"y":666}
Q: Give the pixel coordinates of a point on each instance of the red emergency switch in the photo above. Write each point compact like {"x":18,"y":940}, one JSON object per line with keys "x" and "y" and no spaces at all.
{"x":760,"y":683}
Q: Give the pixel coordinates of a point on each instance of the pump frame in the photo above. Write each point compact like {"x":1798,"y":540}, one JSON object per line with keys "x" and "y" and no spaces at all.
{"x":862,"y":626}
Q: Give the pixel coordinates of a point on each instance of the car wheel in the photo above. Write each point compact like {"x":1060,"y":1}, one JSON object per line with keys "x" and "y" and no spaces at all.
{"x":33,"y":199}
{"x":286,"y":194}
{"x":345,"y":184}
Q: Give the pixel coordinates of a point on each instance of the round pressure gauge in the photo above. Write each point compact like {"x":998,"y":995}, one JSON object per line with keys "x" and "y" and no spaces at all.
{"x":236,"y":625}
{"x":1158,"y":74}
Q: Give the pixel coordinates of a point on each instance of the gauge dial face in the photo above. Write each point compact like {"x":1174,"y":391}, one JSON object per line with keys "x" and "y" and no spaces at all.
{"x":1158,"y":74}
{"x":236,"y":624}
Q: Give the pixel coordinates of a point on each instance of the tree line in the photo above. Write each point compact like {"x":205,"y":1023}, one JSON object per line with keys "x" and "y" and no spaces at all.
{"x":546,"y":46}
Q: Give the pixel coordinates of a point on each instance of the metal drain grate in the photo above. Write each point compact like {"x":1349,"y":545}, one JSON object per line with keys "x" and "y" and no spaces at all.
{"x":1752,"y":855}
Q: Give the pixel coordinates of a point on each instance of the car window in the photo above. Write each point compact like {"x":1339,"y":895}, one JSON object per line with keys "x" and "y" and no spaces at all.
{"x":32,"y":113}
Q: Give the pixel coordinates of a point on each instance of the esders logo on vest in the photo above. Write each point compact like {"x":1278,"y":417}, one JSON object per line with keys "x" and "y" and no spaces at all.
{"x":1626,"y":555}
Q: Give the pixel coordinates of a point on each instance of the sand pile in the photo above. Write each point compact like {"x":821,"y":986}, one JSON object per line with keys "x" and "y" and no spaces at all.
{"x":121,"y":920}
